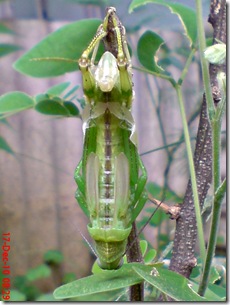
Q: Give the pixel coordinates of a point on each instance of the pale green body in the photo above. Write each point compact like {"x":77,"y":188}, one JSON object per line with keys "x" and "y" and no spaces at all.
{"x":110,"y":177}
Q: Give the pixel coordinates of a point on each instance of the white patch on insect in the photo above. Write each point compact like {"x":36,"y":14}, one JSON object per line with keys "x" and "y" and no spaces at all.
{"x":107,"y":73}
{"x":154,"y":272}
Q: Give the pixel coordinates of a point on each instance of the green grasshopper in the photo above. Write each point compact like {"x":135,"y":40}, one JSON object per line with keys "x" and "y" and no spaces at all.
{"x":111,"y":177}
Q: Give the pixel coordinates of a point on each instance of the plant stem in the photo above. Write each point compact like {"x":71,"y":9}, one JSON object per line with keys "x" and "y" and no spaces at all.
{"x":187,"y":64}
{"x":204,"y":64}
{"x":192,"y":174}
{"x":167,"y":77}
{"x":219,"y":192}
{"x":213,"y":237}
{"x":136,"y":292}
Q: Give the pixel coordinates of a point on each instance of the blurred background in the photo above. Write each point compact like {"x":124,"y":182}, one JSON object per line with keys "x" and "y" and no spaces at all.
{"x":37,"y":166}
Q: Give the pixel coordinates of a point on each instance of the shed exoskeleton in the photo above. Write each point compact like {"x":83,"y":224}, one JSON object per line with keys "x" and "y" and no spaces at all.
{"x":111,"y":177}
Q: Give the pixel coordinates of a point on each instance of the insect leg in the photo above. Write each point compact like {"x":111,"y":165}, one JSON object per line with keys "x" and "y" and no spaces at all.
{"x":86,"y":65}
{"x":78,"y":177}
{"x":140,"y":195}
{"x":82,"y":202}
{"x":80,"y":193}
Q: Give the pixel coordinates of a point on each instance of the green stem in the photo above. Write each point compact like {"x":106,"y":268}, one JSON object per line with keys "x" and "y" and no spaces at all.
{"x":192,"y":174}
{"x":187,"y":64}
{"x":216,"y":145}
{"x":219,"y":196}
{"x":204,"y":64}
{"x":167,"y":77}
{"x":219,"y":191}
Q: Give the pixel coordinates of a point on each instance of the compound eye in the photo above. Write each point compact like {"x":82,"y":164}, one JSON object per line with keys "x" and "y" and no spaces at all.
{"x":107,"y":72}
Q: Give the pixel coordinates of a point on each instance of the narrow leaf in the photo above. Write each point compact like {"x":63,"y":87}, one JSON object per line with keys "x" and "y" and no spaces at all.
{"x":51,"y":107}
{"x":107,"y":280}
{"x":68,"y":42}
{"x":58,"y":89}
{"x":73,"y":90}
{"x":5,"y":146}
{"x":6,"y":48}
{"x":5,"y":30}
{"x":170,"y":283}
{"x":144,"y":246}
{"x":186,"y":15}
{"x":150,"y":255}
{"x":15,"y":101}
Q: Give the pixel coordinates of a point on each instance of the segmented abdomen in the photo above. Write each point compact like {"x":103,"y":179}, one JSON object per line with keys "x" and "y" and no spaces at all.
{"x":113,"y":202}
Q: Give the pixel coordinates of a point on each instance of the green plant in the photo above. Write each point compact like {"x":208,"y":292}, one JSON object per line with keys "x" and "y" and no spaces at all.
{"x":24,"y":286}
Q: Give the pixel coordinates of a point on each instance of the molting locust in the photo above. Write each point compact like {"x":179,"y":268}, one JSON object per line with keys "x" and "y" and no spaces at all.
{"x":111,"y":177}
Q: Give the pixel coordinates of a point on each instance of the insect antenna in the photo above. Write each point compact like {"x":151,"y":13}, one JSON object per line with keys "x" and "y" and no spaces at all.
{"x":85,"y":239}
{"x":144,"y":226}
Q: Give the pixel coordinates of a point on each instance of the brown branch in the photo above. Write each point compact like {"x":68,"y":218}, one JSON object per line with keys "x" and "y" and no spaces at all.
{"x":134,"y":255}
{"x":173,"y":211}
{"x":183,"y":259}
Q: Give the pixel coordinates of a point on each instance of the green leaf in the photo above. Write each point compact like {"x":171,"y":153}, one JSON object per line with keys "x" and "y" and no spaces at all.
{"x":17,"y":296}
{"x":144,"y":246}
{"x":213,"y":292}
{"x":38,"y":272}
{"x":58,"y":89}
{"x":5,"y":146}
{"x":53,"y":257}
{"x":186,"y":15}
{"x":5,"y":30}
{"x":149,"y":256}
{"x":214,"y":275}
{"x":67,"y":42}
{"x":51,"y":107}
{"x":15,"y":101}
{"x":148,"y":46}
{"x":220,"y":292}
{"x":170,"y":283}
{"x":107,"y":280}
{"x":73,"y":110}
{"x":6,"y":48}
{"x":73,"y":90}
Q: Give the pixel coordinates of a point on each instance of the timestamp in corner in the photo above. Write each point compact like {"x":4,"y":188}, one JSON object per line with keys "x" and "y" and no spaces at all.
{"x":5,"y":267}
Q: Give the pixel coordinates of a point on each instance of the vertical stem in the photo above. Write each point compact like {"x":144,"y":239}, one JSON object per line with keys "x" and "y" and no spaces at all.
{"x":192,"y":174}
{"x":216,"y":135}
{"x":219,"y":191}
{"x":204,"y":64}
{"x":211,"y":247}
{"x":134,"y":255}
